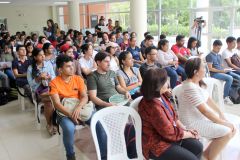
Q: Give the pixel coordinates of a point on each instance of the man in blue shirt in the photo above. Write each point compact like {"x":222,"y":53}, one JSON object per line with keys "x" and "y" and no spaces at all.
{"x":19,"y":67}
{"x":136,"y":52}
{"x":214,"y":61}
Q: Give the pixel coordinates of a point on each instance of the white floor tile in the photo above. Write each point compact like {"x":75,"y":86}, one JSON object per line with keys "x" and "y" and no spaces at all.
{"x":22,"y":139}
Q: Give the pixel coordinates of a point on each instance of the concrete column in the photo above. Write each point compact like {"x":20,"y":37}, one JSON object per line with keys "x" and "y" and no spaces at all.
{"x":74,"y":15}
{"x":138,"y":18}
{"x":55,"y":16}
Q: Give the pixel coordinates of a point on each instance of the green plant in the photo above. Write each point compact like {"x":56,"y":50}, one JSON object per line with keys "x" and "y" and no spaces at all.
{"x":219,"y":33}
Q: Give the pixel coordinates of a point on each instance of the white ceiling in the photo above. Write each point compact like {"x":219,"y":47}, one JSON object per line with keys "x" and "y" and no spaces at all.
{"x":45,"y":2}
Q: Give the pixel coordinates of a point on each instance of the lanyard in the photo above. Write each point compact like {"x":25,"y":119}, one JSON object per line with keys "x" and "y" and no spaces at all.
{"x":167,"y":107}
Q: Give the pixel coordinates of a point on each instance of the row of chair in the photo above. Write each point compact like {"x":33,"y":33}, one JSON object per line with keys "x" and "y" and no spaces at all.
{"x":114,"y":119}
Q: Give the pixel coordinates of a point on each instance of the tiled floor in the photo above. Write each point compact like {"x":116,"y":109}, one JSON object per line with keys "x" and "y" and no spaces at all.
{"x":22,"y":139}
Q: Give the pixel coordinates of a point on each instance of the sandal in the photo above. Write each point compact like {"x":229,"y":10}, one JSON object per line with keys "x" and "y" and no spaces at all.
{"x":50,"y":130}
{"x":55,"y":129}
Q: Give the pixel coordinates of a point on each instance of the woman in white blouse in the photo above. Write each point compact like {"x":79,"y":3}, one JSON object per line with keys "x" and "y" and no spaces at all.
{"x":169,"y":62}
{"x":111,"y":49}
{"x":87,"y":63}
{"x":198,"y":111}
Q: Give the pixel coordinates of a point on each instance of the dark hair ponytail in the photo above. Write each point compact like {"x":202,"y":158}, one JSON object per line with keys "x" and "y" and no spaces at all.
{"x":35,"y":70}
{"x":85,"y":48}
{"x":122,"y":57}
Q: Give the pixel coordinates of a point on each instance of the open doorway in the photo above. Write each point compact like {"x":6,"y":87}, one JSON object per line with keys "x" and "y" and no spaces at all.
{"x":3,"y":24}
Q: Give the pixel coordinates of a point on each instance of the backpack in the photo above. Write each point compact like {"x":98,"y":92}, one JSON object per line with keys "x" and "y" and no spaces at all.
{"x":130,"y":140}
{"x":235,"y":59}
{"x":235,"y":92}
{"x":4,"y":92}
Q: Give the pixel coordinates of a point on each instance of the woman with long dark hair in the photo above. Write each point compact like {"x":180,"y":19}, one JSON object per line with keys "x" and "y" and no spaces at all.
{"x":51,"y":32}
{"x":50,"y":57}
{"x":39,"y":74}
{"x":192,"y":46}
{"x":164,"y":137}
{"x":29,"y":49}
{"x":128,"y":76}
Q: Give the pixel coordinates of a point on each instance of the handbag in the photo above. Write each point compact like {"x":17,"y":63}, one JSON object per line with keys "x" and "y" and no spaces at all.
{"x":42,"y":89}
{"x":85,"y":112}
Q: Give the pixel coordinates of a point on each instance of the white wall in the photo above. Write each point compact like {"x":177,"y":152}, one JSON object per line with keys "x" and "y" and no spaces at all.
{"x":26,"y":18}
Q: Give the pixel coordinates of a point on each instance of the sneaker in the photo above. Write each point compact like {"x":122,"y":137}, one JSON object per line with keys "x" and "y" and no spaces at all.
{"x":71,"y":157}
{"x":228,"y":101}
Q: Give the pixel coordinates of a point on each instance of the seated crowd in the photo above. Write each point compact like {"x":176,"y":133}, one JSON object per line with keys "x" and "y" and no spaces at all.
{"x":99,"y":65}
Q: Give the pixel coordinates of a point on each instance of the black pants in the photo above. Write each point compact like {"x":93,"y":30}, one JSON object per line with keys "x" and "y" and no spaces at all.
{"x":187,"y":149}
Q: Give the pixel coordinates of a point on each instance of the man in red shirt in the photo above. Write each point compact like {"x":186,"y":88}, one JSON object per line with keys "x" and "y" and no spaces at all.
{"x":181,"y":52}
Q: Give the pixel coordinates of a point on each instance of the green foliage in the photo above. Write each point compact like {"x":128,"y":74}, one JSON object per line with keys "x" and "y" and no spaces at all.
{"x":119,"y":7}
{"x":153,"y":29}
{"x":219,"y":33}
{"x":221,"y":2}
{"x":175,"y":30}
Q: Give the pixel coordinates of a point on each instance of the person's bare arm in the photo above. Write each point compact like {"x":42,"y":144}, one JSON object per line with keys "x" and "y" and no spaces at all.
{"x":96,"y":100}
{"x":86,"y":71}
{"x":121,"y":90}
{"x":17,"y":75}
{"x":228,"y":60}
{"x":123,"y":84}
{"x":214,"y":106}
{"x":181,"y":57}
{"x":213,"y":117}
{"x":211,"y":69}
{"x":209,"y":114}
{"x":83,"y":101}
{"x":58,"y":105}
{"x":141,"y":56}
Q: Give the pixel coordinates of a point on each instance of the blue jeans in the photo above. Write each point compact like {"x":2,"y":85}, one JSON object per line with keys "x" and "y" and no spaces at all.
{"x":224,"y":77}
{"x":68,"y":129}
{"x":4,"y":79}
{"x":235,"y":75}
{"x":173,"y":74}
{"x":9,"y":73}
{"x":102,"y":140}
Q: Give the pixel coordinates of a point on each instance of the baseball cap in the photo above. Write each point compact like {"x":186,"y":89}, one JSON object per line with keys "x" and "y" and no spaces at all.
{"x":65,"y":47}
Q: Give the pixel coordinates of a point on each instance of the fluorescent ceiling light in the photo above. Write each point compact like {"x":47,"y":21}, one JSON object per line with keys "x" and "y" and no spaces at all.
{"x":4,"y":2}
{"x":60,"y":3}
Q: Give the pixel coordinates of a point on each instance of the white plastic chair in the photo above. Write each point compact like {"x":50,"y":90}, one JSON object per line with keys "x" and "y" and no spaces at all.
{"x":37,"y":107}
{"x":215,"y":89}
{"x":21,"y":99}
{"x":135,"y":102}
{"x":113,"y":120}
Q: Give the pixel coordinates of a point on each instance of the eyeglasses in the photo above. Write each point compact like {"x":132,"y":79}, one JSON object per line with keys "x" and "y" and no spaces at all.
{"x":153,"y":54}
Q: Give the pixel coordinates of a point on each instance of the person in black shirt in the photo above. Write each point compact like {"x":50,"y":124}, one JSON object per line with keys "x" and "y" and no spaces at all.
{"x":151,"y":57}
